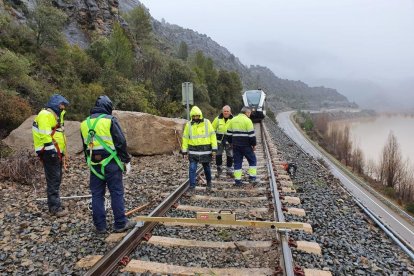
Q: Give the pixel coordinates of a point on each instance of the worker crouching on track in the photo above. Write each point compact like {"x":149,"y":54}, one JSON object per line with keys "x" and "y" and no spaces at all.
{"x":243,"y":139}
{"x":50,"y":145}
{"x":106,"y":154}
{"x":200,"y":143}
{"x":220,"y":124}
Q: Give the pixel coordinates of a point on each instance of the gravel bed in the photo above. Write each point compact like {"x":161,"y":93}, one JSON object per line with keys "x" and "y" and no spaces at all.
{"x":211,"y":233}
{"x":242,"y":193}
{"x":228,"y":204}
{"x":32,"y":242}
{"x":240,"y":215}
{"x":207,"y":257}
{"x":351,"y":243}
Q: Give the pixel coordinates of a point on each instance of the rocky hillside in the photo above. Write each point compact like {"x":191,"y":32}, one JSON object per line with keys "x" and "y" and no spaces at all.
{"x":283,"y":94}
{"x":88,"y":18}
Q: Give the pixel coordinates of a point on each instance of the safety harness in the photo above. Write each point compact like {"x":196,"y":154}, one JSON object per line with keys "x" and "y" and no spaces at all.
{"x":54,"y":129}
{"x":54,"y":143}
{"x":89,"y":141}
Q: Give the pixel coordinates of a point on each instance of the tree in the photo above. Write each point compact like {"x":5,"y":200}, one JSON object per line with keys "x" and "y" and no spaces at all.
{"x":346,"y":145}
{"x":321,"y":123}
{"x":139,"y":23}
{"x":357,"y":160}
{"x":13,"y":111}
{"x":13,"y":69}
{"x":392,"y":168}
{"x":47,"y":21}
{"x":119,"y":53}
{"x":182,"y":51}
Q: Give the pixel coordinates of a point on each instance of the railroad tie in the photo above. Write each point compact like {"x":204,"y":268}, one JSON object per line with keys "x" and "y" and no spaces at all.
{"x":139,"y":266}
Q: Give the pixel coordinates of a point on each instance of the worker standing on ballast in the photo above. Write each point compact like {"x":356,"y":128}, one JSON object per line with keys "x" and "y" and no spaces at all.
{"x":200,"y":143}
{"x":50,"y":145}
{"x":243,"y":139}
{"x":220,"y":125}
{"x":106,"y":154}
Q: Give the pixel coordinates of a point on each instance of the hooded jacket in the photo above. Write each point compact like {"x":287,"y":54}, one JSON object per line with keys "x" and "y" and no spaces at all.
{"x":48,"y":127}
{"x":107,"y":127}
{"x":54,"y":103}
{"x":199,"y":139}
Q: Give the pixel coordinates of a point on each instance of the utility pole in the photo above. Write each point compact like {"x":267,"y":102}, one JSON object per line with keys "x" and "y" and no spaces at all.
{"x":187,"y":93}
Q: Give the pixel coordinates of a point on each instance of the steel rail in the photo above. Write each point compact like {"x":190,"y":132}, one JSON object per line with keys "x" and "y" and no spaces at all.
{"x":109,"y":262}
{"x":284,"y":236}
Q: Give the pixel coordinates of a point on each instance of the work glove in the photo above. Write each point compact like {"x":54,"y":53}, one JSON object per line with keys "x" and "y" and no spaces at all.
{"x":184,"y":154}
{"x":127,"y":168}
{"x":213,"y":155}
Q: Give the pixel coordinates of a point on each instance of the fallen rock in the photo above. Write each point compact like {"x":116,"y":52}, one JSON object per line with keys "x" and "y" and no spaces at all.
{"x":146,"y":134}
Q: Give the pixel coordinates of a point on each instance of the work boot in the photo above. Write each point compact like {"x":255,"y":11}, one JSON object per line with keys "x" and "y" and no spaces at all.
{"x":219,"y":171}
{"x":191,"y":190}
{"x":101,"y":231}
{"x":238,"y":183}
{"x":128,"y":225}
{"x":229,"y":171}
{"x":209,"y":187}
{"x":253,"y":180}
{"x":59,"y":213}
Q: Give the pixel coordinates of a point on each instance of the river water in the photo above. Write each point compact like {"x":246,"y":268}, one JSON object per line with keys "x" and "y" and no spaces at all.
{"x":370,"y":134}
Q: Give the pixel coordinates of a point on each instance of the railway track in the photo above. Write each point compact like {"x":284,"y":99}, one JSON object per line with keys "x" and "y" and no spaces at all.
{"x":219,"y":246}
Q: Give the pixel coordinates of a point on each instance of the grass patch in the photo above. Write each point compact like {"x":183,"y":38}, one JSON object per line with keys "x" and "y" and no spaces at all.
{"x":410,"y":208}
{"x":224,"y":235}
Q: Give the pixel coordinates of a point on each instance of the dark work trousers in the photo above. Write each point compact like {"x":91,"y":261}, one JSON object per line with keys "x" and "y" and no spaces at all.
{"x":238,"y":153}
{"x":113,"y":179}
{"x":224,"y":146}
{"x":193,"y":174}
{"x":53,"y":174}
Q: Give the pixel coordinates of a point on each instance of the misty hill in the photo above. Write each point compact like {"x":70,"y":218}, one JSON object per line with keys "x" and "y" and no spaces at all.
{"x":89,"y":19}
{"x":379,"y":96}
{"x":283,"y":93}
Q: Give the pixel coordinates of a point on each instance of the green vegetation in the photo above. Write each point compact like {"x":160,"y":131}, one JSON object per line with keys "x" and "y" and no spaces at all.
{"x":271,"y":115}
{"x":129,"y":66}
{"x":410,"y":208}
{"x":392,"y":177}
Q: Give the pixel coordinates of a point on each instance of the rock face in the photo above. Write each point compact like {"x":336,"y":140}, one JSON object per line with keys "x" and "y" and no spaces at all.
{"x":146,"y":134}
{"x":149,"y":134}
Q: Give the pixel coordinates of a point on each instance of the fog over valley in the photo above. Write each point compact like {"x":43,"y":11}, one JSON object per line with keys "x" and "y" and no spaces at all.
{"x":361,"y":48}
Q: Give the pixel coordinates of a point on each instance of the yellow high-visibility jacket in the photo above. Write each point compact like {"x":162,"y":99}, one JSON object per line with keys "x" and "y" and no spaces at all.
{"x":199,"y":139}
{"x":47,"y":130}
{"x":220,"y":125}
{"x":241,"y":131}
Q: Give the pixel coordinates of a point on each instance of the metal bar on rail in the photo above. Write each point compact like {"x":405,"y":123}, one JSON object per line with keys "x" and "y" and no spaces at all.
{"x":109,"y":262}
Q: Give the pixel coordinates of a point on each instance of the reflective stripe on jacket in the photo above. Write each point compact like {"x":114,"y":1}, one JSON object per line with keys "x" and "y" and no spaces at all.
{"x":102,"y":129}
{"x":241,"y":131}
{"x":220,"y":125}
{"x":199,"y":138}
{"x":42,"y":130}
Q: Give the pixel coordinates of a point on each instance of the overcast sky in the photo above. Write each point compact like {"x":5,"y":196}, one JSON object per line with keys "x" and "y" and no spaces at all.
{"x":365,"y":40}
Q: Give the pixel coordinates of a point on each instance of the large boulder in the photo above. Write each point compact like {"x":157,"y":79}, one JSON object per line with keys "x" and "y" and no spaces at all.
{"x":22,"y":139}
{"x":146,"y":134}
